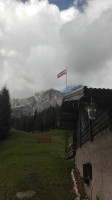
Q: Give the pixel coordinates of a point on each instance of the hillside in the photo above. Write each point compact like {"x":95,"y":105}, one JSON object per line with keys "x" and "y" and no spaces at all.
{"x":40,"y":101}
{"x":28,"y":165}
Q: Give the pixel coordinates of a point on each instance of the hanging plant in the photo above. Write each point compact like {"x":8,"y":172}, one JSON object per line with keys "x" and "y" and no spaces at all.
{"x":86,"y":104}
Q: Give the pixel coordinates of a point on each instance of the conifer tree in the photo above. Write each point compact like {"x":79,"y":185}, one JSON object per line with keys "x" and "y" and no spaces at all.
{"x":5,"y":113}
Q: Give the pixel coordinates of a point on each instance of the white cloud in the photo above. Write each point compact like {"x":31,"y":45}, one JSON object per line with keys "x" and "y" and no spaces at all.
{"x":69,"y":14}
{"x":37,"y":41}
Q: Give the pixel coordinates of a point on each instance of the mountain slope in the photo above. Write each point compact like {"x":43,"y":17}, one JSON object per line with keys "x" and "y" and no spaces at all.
{"x":39,"y":102}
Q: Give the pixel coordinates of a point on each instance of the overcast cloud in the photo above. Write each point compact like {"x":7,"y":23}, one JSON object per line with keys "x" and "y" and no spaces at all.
{"x":37,"y":41}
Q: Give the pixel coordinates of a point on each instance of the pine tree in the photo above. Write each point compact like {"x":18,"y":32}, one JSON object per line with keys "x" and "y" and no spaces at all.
{"x":5,"y":113}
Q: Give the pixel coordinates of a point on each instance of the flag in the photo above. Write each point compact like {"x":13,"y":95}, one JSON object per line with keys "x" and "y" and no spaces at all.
{"x":62,"y":73}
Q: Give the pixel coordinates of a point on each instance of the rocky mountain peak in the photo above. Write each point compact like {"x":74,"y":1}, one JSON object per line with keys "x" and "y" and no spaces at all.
{"x":39,"y":102}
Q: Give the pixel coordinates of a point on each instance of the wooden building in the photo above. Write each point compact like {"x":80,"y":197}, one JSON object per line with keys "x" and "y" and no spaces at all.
{"x":87,"y":112}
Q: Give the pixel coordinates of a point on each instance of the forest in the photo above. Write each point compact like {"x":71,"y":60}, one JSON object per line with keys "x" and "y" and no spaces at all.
{"x":46,"y":120}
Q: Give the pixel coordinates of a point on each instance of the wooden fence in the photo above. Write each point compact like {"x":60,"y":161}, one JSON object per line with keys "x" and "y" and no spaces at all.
{"x":42,"y":138}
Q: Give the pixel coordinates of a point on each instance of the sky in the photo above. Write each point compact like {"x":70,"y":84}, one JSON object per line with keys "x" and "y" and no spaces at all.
{"x":40,"y":38}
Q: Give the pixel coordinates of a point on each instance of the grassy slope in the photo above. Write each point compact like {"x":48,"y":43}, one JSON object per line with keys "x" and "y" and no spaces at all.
{"x":27,"y":165}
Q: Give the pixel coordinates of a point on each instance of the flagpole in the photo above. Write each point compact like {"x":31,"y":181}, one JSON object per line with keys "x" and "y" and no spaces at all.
{"x":66,"y":79}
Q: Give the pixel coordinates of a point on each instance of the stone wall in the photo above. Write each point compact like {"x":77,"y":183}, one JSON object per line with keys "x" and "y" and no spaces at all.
{"x":99,"y":154}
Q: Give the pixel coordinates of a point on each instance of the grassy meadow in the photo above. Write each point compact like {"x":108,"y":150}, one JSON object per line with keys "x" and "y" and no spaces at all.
{"x":28,"y":165}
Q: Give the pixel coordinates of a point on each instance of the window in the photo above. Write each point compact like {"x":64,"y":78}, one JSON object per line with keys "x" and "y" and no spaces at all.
{"x":87,"y":173}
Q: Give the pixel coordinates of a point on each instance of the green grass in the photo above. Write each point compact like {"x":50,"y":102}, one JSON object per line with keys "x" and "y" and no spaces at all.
{"x":28,"y":165}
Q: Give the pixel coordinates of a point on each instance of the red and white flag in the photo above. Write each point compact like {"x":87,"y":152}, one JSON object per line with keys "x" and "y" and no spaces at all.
{"x":62,"y":73}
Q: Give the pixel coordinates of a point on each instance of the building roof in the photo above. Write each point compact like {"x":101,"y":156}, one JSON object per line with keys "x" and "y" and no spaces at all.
{"x":102,"y":97}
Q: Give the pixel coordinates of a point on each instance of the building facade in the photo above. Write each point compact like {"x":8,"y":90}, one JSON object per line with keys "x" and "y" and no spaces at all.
{"x":87,"y":112}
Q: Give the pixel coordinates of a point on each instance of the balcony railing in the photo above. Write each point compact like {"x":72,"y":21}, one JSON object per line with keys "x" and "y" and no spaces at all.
{"x":70,"y":151}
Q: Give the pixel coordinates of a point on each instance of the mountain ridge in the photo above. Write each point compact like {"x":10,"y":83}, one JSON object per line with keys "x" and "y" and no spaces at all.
{"x":40,"y":101}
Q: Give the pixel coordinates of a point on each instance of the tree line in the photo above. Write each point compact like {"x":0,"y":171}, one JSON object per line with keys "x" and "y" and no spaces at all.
{"x":5,"y":113}
{"x":45,"y":120}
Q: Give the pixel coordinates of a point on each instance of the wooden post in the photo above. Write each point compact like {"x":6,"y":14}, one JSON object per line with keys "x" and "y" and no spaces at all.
{"x":79,"y":124}
{"x":90,"y":130}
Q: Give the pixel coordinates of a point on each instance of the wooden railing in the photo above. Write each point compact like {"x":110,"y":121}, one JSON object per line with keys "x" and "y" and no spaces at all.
{"x":95,"y":128}
{"x":70,"y":151}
